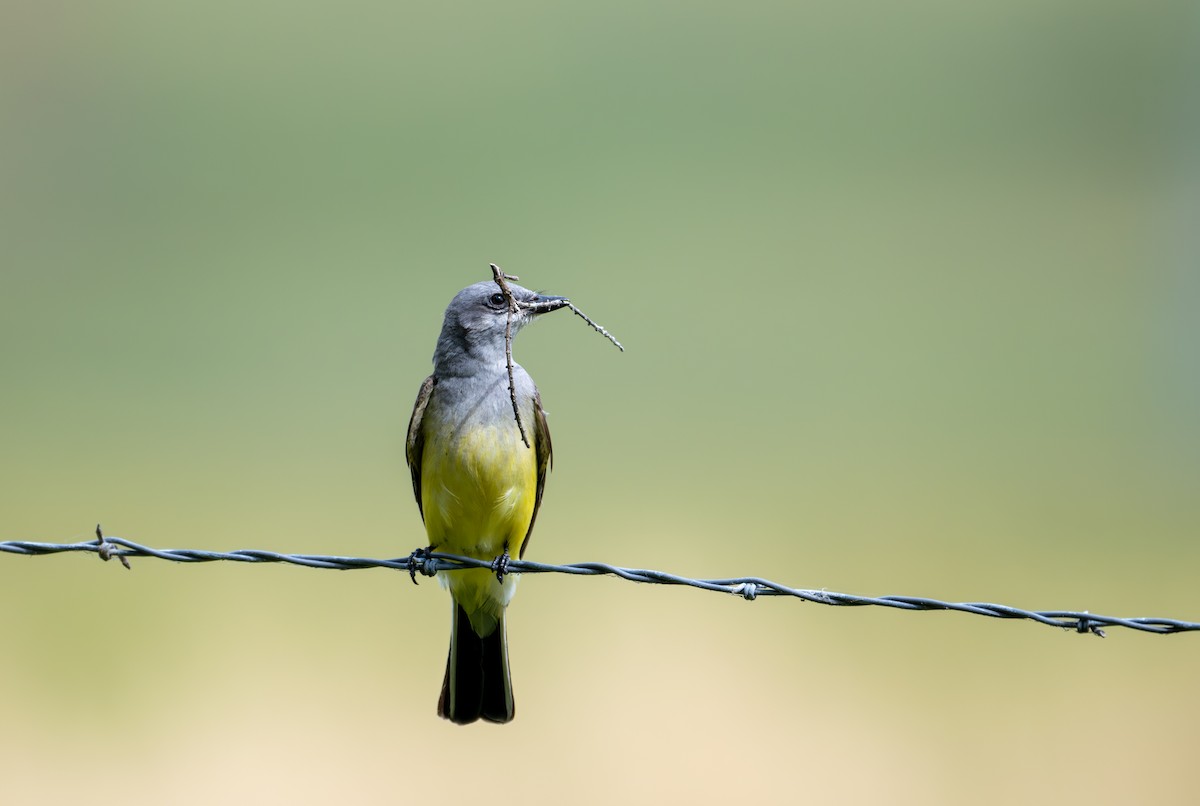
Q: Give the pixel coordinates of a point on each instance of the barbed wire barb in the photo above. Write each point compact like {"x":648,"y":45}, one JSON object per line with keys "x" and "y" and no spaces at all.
{"x":429,"y":563}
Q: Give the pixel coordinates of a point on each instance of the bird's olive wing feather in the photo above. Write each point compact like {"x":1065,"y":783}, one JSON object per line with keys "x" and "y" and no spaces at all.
{"x":415,"y":444}
{"x":544,"y":452}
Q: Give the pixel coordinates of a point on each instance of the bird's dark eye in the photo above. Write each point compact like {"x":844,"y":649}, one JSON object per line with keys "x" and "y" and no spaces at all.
{"x":496,"y":299}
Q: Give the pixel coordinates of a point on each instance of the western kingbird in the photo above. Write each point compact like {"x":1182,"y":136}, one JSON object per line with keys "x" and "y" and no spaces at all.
{"x":478,"y":484}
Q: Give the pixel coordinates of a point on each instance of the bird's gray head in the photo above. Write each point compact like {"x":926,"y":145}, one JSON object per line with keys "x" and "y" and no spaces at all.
{"x":477,"y":317}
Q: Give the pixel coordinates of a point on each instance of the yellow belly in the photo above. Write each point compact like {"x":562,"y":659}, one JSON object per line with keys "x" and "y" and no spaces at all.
{"x":477,"y":492}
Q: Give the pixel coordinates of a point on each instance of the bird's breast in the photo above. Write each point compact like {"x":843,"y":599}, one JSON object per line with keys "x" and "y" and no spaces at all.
{"x":479,"y":484}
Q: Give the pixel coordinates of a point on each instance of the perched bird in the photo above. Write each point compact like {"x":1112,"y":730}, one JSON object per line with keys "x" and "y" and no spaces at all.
{"x":478,"y":476}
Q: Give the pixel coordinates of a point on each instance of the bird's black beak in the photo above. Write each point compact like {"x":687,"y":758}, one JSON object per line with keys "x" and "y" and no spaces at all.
{"x":544,"y":303}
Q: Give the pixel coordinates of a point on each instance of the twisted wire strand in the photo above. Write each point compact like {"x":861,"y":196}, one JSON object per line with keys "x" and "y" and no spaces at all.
{"x":750,"y":588}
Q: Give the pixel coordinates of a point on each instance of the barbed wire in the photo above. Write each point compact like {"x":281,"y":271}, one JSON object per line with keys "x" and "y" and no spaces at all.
{"x":750,"y":588}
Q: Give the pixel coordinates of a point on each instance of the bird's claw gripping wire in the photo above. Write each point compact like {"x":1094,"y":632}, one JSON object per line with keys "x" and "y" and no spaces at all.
{"x":500,"y":566}
{"x":417,"y":561}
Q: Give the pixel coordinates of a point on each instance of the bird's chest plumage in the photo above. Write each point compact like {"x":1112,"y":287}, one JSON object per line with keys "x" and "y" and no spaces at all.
{"x":479,"y":480}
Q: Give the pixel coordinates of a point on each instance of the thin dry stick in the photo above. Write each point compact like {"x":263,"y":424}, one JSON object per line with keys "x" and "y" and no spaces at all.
{"x":500,"y":278}
{"x":598,"y":328}
{"x":515,"y":305}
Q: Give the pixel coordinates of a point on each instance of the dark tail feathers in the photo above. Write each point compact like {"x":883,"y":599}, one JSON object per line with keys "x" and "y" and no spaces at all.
{"x":477,"y":685}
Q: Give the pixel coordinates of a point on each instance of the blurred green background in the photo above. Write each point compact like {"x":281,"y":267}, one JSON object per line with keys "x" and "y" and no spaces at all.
{"x":909,"y":294}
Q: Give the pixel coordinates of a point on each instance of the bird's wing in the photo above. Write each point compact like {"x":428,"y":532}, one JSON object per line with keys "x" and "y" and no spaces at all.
{"x":544,"y":452}
{"x":415,"y":444}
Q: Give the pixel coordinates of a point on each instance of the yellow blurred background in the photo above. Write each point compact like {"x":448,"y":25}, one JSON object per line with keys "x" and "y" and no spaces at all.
{"x":909,"y":293}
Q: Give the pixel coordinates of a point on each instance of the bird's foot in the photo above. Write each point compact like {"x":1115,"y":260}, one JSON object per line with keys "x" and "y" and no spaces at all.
{"x":416,"y":562}
{"x":500,"y":566}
